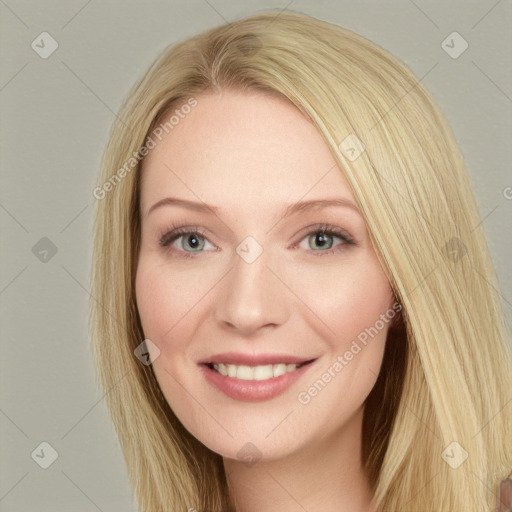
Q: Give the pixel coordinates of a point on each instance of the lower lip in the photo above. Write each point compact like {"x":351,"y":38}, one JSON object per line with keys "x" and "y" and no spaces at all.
{"x":253,"y":390}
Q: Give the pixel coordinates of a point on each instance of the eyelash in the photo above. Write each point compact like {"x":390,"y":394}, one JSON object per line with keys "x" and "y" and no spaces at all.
{"x":173,"y":233}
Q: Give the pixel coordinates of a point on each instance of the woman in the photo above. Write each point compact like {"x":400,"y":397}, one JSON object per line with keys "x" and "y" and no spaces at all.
{"x":243,"y":371}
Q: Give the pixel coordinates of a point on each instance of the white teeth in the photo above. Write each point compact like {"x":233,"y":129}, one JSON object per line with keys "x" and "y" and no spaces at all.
{"x":279,"y":369}
{"x":264,"y":372}
{"x":245,"y":373}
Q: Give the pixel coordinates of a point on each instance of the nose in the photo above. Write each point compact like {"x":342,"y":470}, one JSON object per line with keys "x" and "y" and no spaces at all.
{"x":252,"y":297}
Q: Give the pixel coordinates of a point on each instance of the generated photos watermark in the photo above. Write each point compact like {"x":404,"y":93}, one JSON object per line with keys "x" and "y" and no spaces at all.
{"x":166,"y":127}
{"x":305,"y":397}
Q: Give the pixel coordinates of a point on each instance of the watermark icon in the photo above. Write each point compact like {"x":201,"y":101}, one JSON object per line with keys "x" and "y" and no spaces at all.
{"x":454,"y":249}
{"x":44,"y":250}
{"x":44,"y":45}
{"x":147,"y":352}
{"x":454,"y":45}
{"x":45,"y":455}
{"x":248,"y":44}
{"x":249,"y":454}
{"x":137,"y":156}
{"x":507,"y":192}
{"x":249,"y":249}
{"x":304,"y":397}
{"x":352,"y":147}
{"x":454,"y":455}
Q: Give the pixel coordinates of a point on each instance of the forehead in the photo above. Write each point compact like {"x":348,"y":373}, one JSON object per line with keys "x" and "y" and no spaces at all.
{"x":237,"y":148}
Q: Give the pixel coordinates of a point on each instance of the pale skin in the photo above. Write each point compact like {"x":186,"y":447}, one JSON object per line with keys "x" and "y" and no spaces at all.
{"x":252,"y":155}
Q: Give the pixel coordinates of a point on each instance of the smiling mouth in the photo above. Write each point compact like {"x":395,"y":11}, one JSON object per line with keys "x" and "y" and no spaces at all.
{"x":255,"y":373}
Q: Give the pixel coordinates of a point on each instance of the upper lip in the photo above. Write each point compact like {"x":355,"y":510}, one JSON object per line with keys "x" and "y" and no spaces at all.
{"x":239,"y":358}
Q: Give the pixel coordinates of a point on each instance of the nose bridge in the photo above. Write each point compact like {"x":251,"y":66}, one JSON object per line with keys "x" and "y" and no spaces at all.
{"x":252,"y":296}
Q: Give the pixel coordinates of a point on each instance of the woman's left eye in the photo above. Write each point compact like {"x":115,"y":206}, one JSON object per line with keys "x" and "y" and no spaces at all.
{"x":320,"y":240}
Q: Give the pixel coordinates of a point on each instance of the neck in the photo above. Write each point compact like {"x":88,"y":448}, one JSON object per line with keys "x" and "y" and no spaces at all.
{"x":326,"y":476}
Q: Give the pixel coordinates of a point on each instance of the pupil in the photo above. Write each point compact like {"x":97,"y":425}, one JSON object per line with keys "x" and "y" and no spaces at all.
{"x":195,"y":241}
{"x":321,"y":239}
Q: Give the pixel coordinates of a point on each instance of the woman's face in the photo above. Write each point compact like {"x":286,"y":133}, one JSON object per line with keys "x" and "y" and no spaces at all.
{"x":252,"y":285}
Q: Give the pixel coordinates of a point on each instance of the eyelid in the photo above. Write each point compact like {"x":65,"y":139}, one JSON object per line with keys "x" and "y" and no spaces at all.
{"x":325,"y":228}
{"x":174,"y":233}
{"x":171,"y":234}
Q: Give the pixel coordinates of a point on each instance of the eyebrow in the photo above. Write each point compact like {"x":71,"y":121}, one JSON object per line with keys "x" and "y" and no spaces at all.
{"x":301,"y":206}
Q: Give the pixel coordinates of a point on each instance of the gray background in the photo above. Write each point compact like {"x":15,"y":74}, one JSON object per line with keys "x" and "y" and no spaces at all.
{"x":56,"y":113}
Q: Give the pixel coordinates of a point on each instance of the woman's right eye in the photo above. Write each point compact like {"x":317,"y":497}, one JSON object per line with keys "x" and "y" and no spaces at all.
{"x":189,"y":241}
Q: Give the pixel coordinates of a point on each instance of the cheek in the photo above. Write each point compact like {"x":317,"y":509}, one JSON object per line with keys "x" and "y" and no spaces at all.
{"x":163,"y":301}
{"x":173,"y":303}
{"x":346,"y":298}
{"x":152,"y":302}
{"x":356,"y":304}
{"x":169,"y":305}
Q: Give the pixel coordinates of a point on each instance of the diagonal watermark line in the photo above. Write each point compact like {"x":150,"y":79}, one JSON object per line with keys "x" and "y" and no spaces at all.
{"x":206,"y":1}
{"x":280,"y":12}
{"x":74,"y":218}
{"x":486,"y":14}
{"x":93,"y":298}
{"x":282,"y":421}
{"x":14,"y":423}
{"x":201,"y":405}
{"x":101,"y":510}
{"x":422,"y":281}
{"x":489,"y":421}
{"x":212,"y":211}
{"x":12,"y":78}
{"x":401,"y":98}
{"x":92,"y":92}
{"x":13,"y":279}
{"x":14,"y":485}
{"x":196,"y":303}
{"x":482,"y":221}
{"x":14,"y":14}
{"x":414,"y":497}
{"x":95,"y":404}
{"x":502,"y":498}
{"x":485,"y":485}
{"x":425,"y":14}
{"x":402,"y":401}
{"x":286,"y":491}
{"x":419,"y":419}
{"x":14,"y":218}
{"x":305,"y":194}
{"x":332,"y":332}
{"x":392,"y":186}
{"x":492,"y":81}
{"x":492,"y":286}
{"x":228,"y":227}
{"x":75,"y":15}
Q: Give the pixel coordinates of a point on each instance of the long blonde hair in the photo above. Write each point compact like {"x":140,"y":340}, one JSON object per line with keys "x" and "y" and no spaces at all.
{"x":445,"y":386}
